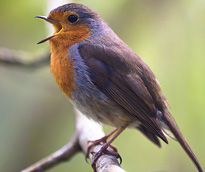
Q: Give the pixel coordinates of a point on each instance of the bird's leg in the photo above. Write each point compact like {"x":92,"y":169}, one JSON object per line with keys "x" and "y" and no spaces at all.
{"x":99,"y":141}
{"x":104,"y":150}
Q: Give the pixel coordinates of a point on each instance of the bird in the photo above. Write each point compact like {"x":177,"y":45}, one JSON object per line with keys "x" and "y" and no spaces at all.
{"x":106,"y":80}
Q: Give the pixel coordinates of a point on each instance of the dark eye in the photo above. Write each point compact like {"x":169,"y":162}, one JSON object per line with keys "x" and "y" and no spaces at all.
{"x":73,"y":18}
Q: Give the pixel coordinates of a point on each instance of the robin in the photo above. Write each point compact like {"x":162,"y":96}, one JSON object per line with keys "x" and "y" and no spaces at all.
{"x":106,"y":80}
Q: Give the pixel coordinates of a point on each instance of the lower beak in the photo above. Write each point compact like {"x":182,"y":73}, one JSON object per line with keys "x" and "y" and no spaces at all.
{"x":56,"y":25}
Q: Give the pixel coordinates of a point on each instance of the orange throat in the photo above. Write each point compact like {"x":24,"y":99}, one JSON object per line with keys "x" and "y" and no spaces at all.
{"x":62,"y":66}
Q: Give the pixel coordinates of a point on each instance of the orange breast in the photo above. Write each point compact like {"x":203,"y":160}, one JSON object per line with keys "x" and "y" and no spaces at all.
{"x":62,"y":69}
{"x":62,"y":66}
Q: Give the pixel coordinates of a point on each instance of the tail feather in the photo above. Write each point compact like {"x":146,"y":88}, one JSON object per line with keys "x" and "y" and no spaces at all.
{"x":180,"y":138}
{"x":149,"y":135}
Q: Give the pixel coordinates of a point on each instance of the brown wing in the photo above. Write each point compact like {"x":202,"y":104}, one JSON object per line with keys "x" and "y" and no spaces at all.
{"x":113,"y":72}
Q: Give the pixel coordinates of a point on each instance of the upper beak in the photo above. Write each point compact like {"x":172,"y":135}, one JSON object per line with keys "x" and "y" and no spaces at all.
{"x":55,"y":23}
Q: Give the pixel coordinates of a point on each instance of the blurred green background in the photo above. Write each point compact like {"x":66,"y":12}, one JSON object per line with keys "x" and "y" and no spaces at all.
{"x":36,"y":119}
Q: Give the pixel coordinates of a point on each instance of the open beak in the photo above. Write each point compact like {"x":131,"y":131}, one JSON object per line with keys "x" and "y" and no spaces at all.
{"x":55,"y":23}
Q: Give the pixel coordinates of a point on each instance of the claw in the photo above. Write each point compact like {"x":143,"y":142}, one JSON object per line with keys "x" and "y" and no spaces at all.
{"x":120,"y":159}
{"x":93,"y":143}
{"x":97,"y":142}
{"x":104,"y":151}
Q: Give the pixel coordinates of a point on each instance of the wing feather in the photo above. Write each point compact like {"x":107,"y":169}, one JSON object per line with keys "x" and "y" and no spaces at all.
{"x":122,"y":85}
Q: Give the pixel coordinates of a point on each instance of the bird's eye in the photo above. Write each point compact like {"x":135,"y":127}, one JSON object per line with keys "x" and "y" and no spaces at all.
{"x":73,"y":18}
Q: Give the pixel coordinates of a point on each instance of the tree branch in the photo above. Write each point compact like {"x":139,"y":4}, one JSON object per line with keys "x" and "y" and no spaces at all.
{"x":20,"y":58}
{"x":90,"y":130}
{"x":86,"y":130}
{"x":63,"y":154}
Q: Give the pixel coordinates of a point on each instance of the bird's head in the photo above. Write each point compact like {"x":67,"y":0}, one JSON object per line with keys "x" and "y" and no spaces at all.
{"x":73,"y":22}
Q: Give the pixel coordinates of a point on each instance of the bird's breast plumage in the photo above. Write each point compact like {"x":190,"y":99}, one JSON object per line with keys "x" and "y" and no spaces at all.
{"x":73,"y":77}
{"x":62,"y":65}
{"x":62,"y":70}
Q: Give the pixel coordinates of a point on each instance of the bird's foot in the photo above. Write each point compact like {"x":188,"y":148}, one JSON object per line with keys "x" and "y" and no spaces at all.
{"x":104,"y":151}
{"x":98,"y":142}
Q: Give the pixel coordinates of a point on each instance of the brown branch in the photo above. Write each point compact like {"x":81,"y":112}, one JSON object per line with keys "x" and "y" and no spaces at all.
{"x":17,"y":57}
{"x":86,"y":130}
{"x":63,"y":154}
